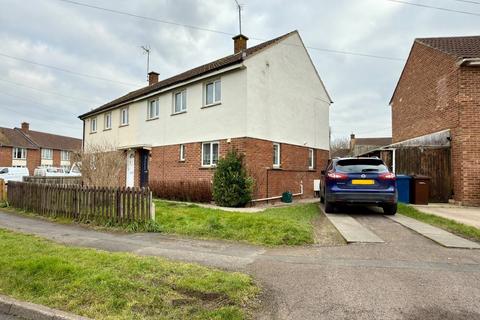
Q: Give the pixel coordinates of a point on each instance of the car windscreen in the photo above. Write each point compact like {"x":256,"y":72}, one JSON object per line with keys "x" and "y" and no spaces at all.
{"x":361,"y":166}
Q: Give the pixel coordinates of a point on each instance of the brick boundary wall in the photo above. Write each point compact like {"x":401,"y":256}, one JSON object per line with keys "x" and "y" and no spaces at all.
{"x":165,"y":165}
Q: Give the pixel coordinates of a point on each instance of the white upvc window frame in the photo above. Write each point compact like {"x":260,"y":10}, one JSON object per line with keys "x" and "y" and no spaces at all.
{"x":276,"y":156}
{"x":214,"y":102}
{"x":23,"y":153}
{"x":46,"y":154}
{"x":183,"y":152}
{"x":93,"y":125}
{"x":311,"y":159}
{"x":183,"y":101}
{"x":210,"y":163}
{"x":124,"y":121}
{"x":156,"y":109}
{"x":107,"y":121}
{"x":63,"y":157}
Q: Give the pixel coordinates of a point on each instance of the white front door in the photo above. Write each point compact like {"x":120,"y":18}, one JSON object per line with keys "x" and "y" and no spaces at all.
{"x":130,"y":174}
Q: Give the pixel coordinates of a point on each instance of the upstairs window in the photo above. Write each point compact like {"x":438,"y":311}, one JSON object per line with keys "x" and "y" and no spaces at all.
{"x":93,"y":125}
{"x":65,"y":155}
{"x":180,"y":102}
{"x":153,"y":109}
{"x":209,"y":154}
{"x":108,"y":121}
{"x":182,"y":152}
{"x":276,"y":155}
{"x":47,"y":154}
{"x":19,"y":153}
{"x":124,"y":117}
{"x":311,"y":159}
{"x":213,"y":92}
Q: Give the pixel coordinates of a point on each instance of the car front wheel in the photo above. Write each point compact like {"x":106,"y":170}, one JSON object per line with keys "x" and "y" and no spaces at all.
{"x":390,"y":209}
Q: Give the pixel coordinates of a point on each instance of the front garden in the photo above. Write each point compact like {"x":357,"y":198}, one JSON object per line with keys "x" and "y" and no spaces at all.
{"x":103,"y":285}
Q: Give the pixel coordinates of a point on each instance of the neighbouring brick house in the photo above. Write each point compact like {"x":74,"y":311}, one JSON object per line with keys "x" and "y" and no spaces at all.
{"x":22,"y":147}
{"x":438,"y":98}
{"x":266,"y":101}
{"x":360,"y":146}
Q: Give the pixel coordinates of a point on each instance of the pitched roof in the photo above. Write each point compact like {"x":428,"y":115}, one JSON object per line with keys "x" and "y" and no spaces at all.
{"x":459,"y":47}
{"x":35,"y":140}
{"x":14,"y":138}
{"x":373,"y":141}
{"x":192,"y":73}
{"x":53,"y":141}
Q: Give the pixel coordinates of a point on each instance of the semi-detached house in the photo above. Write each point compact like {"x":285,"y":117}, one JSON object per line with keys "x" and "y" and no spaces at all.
{"x":266,"y":101}
{"x":22,"y":147}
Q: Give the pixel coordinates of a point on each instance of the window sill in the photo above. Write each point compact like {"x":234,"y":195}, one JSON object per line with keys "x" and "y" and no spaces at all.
{"x":177,"y":113}
{"x":151,"y":119}
{"x":181,"y":161}
{"x":312,"y":169}
{"x":107,"y":129}
{"x":93,"y":132}
{"x":208,"y":167}
{"x":212,"y":105}
{"x":276,"y":168}
{"x":123,"y":125}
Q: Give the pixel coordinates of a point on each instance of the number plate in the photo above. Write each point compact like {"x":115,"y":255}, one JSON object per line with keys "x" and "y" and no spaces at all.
{"x":363,"y":182}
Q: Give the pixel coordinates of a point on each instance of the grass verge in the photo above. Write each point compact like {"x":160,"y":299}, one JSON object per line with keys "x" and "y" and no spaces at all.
{"x":446,"y":224}
{"x":290,"y":225}
{"x":105,"y":285}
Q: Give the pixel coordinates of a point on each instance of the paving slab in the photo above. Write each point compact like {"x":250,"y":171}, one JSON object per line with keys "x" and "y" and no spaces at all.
{"x":351,"y":230}
{"x":438,"y":235}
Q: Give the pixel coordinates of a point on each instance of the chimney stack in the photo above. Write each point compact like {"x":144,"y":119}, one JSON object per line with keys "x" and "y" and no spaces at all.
{"x":25,"y":127}
{"x":352,"y":141}
{"x":152,"y":77}
{"x":239,"y":43}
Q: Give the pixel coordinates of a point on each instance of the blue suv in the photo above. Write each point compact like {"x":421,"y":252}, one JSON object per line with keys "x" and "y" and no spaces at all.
{"x":364,"y":181}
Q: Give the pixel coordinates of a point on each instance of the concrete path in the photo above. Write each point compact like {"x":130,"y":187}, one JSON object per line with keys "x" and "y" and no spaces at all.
{"x":438,"y":235}
{"x":351,"y":230}
{"x":466,"y":215}
{"x":407,"y":277}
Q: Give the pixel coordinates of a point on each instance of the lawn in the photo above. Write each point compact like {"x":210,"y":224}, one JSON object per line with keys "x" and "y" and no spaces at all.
{"x":276,"y":226}
{"x":447,"y":224}
{"x":105,"y":285}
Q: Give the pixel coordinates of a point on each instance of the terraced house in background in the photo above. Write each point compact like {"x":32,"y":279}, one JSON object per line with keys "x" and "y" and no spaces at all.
{"x":22,"y":147}
{"x":267,"y":101}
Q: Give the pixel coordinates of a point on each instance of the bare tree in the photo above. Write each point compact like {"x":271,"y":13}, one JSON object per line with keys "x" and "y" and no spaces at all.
{"x":100,"y":165}
{"x":337,"y":144}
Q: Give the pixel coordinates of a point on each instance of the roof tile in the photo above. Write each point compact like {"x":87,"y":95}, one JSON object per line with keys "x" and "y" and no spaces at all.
{"x":460,"y":47}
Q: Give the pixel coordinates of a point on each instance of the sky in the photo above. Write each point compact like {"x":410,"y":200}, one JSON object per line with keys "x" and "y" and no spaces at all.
{"x":95,"y":56}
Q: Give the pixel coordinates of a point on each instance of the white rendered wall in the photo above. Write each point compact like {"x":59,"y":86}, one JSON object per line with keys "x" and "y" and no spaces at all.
{"x":286,"y":100}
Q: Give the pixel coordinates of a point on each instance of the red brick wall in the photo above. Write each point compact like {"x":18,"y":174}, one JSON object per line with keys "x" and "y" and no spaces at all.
{"x":56,"y":158}
{"x":5,"y":156}
{"x":467,"y":138}
{"x":33,"y":159}
{"x":434,"y":94}
{"x":165,"y":165}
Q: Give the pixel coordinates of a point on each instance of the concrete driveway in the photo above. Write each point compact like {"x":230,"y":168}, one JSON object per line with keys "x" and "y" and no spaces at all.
{"x":466,"y":215}
{"x":406,"y":277}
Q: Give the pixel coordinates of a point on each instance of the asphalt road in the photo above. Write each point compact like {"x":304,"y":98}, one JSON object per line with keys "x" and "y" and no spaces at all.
{"x":407,"y":277}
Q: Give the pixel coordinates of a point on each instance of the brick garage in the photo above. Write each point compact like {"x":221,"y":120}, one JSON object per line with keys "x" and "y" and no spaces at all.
{"x":438,"y":90}
{"x":165,"y":165}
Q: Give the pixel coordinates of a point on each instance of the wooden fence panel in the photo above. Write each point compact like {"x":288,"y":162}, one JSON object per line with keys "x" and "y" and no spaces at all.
{"x":432,"y":162}
{"x":79,"y":202}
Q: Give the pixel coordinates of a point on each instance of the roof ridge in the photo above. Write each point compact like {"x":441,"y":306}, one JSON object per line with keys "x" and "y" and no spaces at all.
{"x":51,"y":134}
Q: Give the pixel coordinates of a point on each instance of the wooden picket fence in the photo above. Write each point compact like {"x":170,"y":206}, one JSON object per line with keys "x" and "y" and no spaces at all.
{"x":3,"y":190}
{"x":82,"y":203}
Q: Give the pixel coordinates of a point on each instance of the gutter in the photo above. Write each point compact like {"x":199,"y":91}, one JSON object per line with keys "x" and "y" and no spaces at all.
{"x":469,"y":62}
{"x":169,"y":88}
